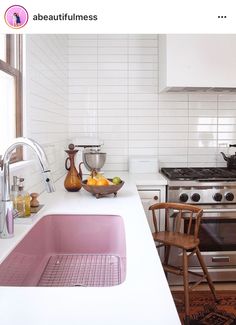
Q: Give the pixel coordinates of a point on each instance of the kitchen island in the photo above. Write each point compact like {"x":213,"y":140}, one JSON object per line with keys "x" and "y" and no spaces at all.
{"x":143,"y":298}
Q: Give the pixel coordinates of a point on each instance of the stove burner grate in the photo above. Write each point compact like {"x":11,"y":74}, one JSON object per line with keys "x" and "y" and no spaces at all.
{"x":198,"y":173}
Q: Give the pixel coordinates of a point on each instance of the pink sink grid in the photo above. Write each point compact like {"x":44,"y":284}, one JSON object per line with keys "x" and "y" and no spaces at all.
{"x":69,"y":250}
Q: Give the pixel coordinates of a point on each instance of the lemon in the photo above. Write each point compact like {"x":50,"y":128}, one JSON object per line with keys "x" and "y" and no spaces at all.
{"x":116,"y":180}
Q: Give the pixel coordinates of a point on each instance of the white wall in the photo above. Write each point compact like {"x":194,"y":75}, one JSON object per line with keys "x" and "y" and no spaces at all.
{"x":113,"y":94}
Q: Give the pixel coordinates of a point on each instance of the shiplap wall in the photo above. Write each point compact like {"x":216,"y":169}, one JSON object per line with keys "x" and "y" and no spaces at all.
{"x":113,"y":94}
{"x":46,"y":110}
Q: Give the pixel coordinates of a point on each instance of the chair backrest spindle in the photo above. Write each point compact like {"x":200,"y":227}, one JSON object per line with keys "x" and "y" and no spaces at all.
{"x":186,"y":217}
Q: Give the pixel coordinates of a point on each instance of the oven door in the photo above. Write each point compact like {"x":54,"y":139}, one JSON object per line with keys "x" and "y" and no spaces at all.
{"x":217,"y":236}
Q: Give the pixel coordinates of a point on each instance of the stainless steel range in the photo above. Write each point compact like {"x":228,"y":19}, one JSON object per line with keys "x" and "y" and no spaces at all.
{"x":214,"y":189}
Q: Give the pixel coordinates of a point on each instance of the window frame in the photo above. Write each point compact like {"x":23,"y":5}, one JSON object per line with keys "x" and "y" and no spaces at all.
{"x":14,"y":57}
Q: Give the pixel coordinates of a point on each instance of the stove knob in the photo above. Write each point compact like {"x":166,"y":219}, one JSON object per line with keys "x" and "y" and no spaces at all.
{"x":195,"y":197}
{"x":183,"y":197}
{"x":217,"y":197}
{"x":229,"y":196}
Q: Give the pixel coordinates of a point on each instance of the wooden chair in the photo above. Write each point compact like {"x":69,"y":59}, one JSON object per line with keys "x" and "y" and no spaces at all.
{"x":182,"y":223}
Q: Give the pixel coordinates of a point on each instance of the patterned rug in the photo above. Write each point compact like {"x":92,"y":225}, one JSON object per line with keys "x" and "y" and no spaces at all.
{"x":204,"y":310}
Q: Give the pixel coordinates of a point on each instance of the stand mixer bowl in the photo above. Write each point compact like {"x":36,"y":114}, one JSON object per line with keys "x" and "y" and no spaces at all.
{"x":94,"y":159}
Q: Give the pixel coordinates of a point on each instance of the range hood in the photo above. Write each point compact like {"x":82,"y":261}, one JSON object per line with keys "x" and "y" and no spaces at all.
{"x":197,"y":63}
{"x":199,"y":90}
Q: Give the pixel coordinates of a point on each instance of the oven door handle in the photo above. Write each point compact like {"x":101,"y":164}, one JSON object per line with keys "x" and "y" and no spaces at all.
{"x":218,"y":210}
{"x":225,"y":259}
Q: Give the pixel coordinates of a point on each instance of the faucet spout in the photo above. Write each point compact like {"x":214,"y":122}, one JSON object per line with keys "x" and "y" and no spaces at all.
{"x":6,"y":212}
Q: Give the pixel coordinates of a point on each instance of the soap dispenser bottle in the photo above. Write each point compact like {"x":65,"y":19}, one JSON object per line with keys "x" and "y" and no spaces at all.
{"x":19,"y":201}
{"x":26,"y":198}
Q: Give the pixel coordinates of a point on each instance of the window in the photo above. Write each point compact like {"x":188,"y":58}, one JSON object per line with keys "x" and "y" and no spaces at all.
{"x":10,"y":92}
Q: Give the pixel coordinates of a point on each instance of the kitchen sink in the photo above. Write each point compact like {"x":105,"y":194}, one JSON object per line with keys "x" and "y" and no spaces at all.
{"x":69,"y":250}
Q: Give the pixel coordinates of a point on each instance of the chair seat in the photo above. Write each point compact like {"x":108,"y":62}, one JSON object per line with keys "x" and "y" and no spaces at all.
{"x":176,"y":239}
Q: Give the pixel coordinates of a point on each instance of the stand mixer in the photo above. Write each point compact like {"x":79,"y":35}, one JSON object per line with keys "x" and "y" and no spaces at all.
{"x":91,"y":156}
{"x":93,"y":159}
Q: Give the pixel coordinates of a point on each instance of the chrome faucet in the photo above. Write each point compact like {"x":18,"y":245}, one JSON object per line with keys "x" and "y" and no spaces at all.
{"x":6,"y":208}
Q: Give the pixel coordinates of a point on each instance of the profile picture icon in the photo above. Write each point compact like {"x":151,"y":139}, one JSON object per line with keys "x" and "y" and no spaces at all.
{"x":16,"y":16}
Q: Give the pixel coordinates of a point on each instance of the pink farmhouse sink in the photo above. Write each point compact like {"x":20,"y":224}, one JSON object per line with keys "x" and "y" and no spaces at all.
{"x":69,"y":250}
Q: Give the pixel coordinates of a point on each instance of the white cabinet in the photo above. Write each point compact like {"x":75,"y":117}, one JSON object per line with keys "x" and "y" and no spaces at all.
{"x":191,"y":62}
{"x":149,"y":196}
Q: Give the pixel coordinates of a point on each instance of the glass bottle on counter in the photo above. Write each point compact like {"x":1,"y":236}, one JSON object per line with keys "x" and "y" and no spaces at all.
{"x":21,"y":199}
{"x":26,"y":199}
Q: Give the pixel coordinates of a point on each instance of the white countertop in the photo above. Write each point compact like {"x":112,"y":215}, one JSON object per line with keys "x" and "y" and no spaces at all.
{"x":148,"y":179}
{"x":143,"y":298}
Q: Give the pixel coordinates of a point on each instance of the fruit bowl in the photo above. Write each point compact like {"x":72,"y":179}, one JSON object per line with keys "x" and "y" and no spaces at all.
{"x":100,"y":191}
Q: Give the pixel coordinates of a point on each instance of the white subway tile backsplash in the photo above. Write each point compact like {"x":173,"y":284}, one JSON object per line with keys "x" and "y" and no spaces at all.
{"x":140,"y":43}
{"x":113,"y":94}
{"x":112,"y":74}
{"x":227,"y":136}
{"x":82,"y":97}
{"x":202,"y":120}
{"x":112,"y":105}
{"x":77,"y":66}
{"x":173,"y":135}
{"x":202,"y":113}
{"x":227,"y":120}
{"x":173,"y":143}
{"x":142,"y":74}
{"x":172,"y":104}
{"x":178,"y":151}
{"x":202,"y":135}
{"x":173,"y":97}
{"x":226,"y":128}
{"x":143,"y":50}
{"x":107,"y":89}
{"x":227,"y":113}
{"x":83,"y":74}
{"x":202,"y":97}
{"x":142,"y":112}
{"x":110,"y":128}
{"x":143,"y":105}
{"x":111,"y":120}
{"x":170,"y":120}
{"x":79,"y":50}
{"x":227,"y":97}
{"x":112,"y":50}
{"x":139,"y":58}
{"x":82,"y":58}
{"x":173,"y":112}
{"x":172,"y":128}
{"x":113,"y":113}
{"x":122,"y":97}
{"x":78,"y":42}
{"x":73,"y":105}
{"x":143,"y":82}
{"x":200,"y":105}
{"x":112,"y":42}
{"x":142,"y":120}
{"x":143,"y":151}
{"x":202,"y":143}
{"x":142,"y":128}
